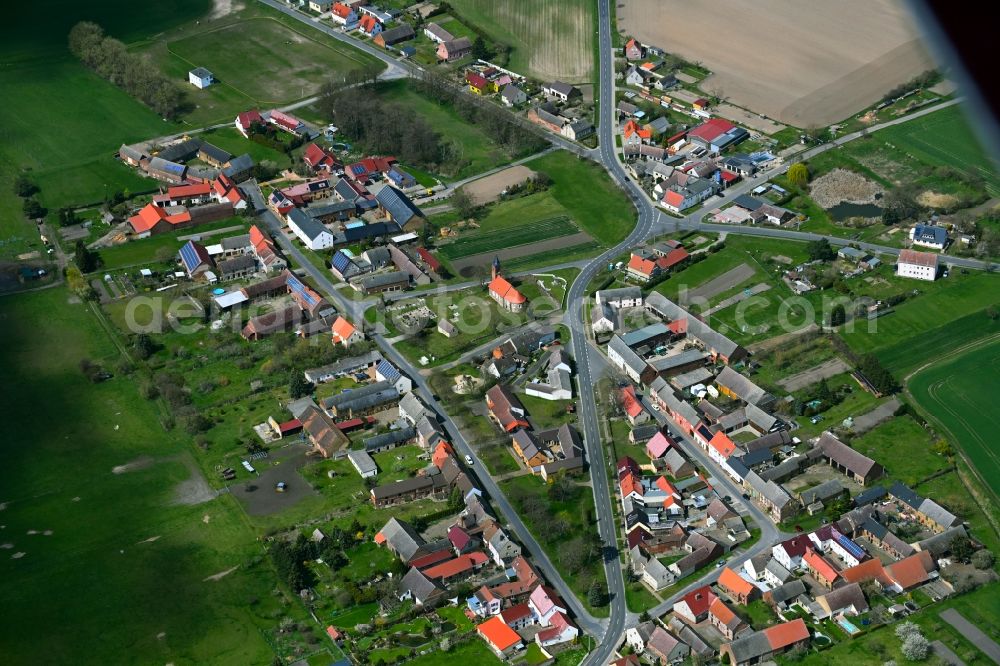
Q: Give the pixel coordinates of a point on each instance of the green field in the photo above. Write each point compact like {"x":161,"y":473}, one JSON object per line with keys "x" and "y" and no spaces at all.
{"x":472,"y":149}
{"x":943,"y":137}
{"x":592,"y":199}
{"x":937,"y":304}
{"x":549,"y":39}
{"x":495,"y":239}
{"x":108,"y":545}
{"x":163,"y":248}
{"x":959,"y":394}
{"x":289,"y":63}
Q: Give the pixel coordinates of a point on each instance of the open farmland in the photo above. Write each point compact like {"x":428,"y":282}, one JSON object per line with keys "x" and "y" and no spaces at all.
{"x":803,"y":64}
{"x":105,"y":543}
{"x":288,"y":64}
{"x":497,"y":239}
{"x":549,"y":39}
{"x":959,"y":394}
{"x":943,"y":137}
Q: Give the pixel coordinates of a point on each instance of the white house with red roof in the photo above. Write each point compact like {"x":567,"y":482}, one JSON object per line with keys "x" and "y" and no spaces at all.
{"x":693,"y":607}
{"x":720,"y":447}
{"x":285,"y":121}
{"x":344,"y":16}
{"x":790,"y":552}
{"x":545,"y":603}
{"x":518,"y":617}
{"x":318,"y":158}
{"x":634,"y":411}
{"x":246,"y":119}
{"x":658,"y":445}
{"x":919,"y":265}
{"x":560,"y":630}
{"x":345,"y":333}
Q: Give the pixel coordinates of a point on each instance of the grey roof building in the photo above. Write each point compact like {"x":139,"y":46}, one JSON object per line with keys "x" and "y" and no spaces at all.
{"x":713,"y":341}
{"x":397,"y":205}
{"x":390,"y":440}
{"x":361,"y":399}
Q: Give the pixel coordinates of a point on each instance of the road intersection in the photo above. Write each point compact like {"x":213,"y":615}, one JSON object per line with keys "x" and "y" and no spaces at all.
{"x":589,"y":361}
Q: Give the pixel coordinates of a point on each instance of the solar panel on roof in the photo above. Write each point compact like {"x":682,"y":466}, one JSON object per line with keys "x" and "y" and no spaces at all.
{"x":851,"y":547}
{"x":340,"y":261}
{"x":358,"y":169}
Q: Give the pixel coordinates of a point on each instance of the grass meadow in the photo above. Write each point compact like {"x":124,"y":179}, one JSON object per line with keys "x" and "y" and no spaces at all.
{"x":959,"y":394}
{"x":111,"y":559}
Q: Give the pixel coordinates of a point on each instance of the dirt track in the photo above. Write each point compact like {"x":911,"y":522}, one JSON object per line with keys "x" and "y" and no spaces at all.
{"x":808,"y":377}
{"x":489,"y":188}
{"x":802,"y":63}
{"x":724,"y":282}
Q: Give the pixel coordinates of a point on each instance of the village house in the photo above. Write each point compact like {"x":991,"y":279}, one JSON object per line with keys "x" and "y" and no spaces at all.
{"x":512,"y":96}
{"x":200,"y":78}
{"x":918,"y":265}
{"x":760,"y":646}
{"x":454,"y":49}
{"x":846,"y":460}
{"x":929,"y":235}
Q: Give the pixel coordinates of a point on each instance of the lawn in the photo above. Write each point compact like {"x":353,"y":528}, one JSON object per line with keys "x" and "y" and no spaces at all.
{"x":638,"y":597}
{"x":480,"y":320}
{"x":594,"y":202}
{"x":289,"y":63}
{"x":904,"y":449}
{"x":549,"y":39}
{"x":116,"y":540}
{"x":959,"y":395}
{"x":943,"y":137}
{"x":546,"y":414}
{"x":472,"y":651}
{"x":877,"y":646}
{"x":156,"y":248}
{"x":575,"y":514}
{"x":474,"y":150}
{"x":939,"y":302}
{"x":855,"y":403}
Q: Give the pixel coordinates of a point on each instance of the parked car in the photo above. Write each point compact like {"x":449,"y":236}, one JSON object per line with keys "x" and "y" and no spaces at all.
{"x":469,"y":460}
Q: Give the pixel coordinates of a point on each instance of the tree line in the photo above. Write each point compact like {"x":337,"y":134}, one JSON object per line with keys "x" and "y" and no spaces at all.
{"x":135,"y":74}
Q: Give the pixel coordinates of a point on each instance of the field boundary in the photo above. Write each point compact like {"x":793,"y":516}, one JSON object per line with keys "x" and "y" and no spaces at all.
{"x":932,"y":418}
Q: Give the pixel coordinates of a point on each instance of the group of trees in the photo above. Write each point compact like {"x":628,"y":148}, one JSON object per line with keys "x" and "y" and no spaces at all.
{"x":136,"y":75}
{"x":915,"y":646}
{"x":289,"y":559}
{"x":508,"y":131}
{"x":922,"y":80}
{"x":880,"y":378}
{"x":86,"y":260}
{"x":388,"y":128}
{"x":26,"y":188}
{"x":798,"y":175}
{"x":820,"y":250}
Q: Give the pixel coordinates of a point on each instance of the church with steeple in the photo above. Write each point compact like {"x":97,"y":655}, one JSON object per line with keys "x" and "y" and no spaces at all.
{"x":503,"y":292}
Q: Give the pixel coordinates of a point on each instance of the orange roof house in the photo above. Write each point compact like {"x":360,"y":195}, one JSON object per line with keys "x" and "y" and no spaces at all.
{"x":781,"y":636}
{"x":154,"y":220}
{"x":667,"y":487}
{"x":502,"y":639}
{"x":441,"y":454}
{"x":631,"y":404}
{"x":721,"y":446}
{"x":868,"y":570}
{"x":738,"y":588}
{"x":632,"y":128}
{"x":821,"y":569}
{"x":911,"y":571}
{"x":724,"y":619}
{"x":630,"y":483}
{"x":345,"y":333}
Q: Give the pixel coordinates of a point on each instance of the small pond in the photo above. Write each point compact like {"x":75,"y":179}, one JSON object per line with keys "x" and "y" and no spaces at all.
{"x":846,"y":209}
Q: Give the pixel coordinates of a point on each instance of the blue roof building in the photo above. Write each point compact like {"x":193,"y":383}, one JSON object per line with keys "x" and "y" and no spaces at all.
{"x":195,"y":258}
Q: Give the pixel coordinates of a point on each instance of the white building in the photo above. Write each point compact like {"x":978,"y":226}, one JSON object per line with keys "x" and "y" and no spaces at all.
{"x":919,"y":265}
{"x":313,"y":234}
{"x":928,"y":235}
{"x":200,"y":77}
{"x":363,"y":463}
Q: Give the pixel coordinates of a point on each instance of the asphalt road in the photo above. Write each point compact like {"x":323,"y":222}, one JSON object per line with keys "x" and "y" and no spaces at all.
{"x":355,"y":310}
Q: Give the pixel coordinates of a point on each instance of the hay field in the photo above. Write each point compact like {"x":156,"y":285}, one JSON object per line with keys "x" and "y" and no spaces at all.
{"x":549,"y":39}
{"x":807,"y":63}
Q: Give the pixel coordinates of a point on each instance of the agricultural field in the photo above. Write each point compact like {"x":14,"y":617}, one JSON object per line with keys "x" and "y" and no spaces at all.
{"x":125,"y":522}
{"x":943,"y":137}
{"x":289,"y":62}
{"x":549,"y":39}
{"x":500,"y":238}
{"x":928,"y":312}
{"x":958,"y":394}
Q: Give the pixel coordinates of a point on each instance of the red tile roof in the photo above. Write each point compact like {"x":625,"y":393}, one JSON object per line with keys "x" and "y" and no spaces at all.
{"x":342,"y":10}
{"x":459,"y":565}
{"x":631,"y":483}
{"x":498,"y":634}
{"x":734,"y":583}
{"x":796,"y":546}
{"x":441,"y":453}
{"x":673,"y":198}
{"x":722,"y":611}
{"x":342,"y":330}
{"x":629,"y":402}
{"x":431,"y":559}
{"x":368,"y":23}
{"x":666,"y":486}
{"x":711,"y":129}
{"x":658,"y":446}
{"x":721,"y":443}
{"x":820,"y":566}
{"x":515,"y":613}
{"x":632,"y":127}
{"x":247,"y":118}
{"x":672,"y":258}
{"x":928,"y":259}
{"x":505,"y":290}
{"x":192,"y":190}
{"x":678,"y":326}
{"x":868,"y":570}
{"x":640,"y":265}
{"x":699,"y":600}
{"x":912,"y":570}
{"x":429,"y":259}
{"x":149,"y":216}
{"x":782,"y":635}
{"x":477,"y":81}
